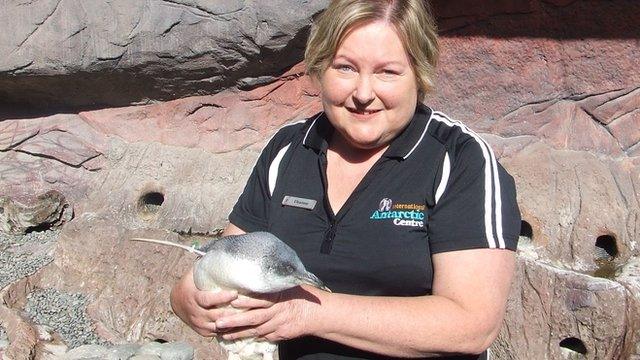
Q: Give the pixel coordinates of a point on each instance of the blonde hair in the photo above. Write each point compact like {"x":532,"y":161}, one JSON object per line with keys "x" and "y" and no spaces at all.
{"x":412,"y":20}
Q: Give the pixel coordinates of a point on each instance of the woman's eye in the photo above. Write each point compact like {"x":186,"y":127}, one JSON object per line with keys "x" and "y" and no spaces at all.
{"x":390,"y":72}
{"x":344,"y":68}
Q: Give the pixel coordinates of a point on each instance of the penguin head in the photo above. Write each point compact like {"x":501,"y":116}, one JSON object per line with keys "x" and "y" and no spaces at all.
{"x":287,"y":272}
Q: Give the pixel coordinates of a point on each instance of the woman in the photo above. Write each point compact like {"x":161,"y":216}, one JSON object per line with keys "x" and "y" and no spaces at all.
{"x":405,"y":213}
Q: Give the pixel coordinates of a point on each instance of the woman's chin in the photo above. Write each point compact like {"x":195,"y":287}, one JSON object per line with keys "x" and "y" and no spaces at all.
{"x":366,"y":143}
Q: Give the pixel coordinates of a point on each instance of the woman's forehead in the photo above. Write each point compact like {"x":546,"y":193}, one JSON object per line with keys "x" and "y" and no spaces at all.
{"x":377,"y":41}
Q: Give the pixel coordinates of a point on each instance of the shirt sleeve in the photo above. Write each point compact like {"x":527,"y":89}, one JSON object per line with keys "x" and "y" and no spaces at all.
{"x":251,"y":211}
{"x":478,"y":208}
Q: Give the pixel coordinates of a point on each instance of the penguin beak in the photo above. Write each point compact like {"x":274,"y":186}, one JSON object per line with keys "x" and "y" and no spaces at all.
{"x":310,"y":279}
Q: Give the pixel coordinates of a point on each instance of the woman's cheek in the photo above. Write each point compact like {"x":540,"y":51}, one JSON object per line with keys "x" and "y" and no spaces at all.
{"x":389,"y":93}
{"x":338,"y":90}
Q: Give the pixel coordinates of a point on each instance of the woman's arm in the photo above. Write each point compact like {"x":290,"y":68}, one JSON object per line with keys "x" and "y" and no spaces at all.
{"x":198,"y":308}
{"x":464,"y":314}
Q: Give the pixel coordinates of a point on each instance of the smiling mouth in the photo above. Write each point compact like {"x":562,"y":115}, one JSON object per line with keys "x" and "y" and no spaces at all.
{"x":362,"y":112}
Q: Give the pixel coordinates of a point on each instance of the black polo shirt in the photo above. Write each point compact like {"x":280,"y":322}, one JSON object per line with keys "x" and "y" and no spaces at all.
{"x":436,"y":188}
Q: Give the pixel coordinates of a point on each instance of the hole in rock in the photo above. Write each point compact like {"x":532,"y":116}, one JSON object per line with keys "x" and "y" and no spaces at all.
{"x":151,"y":202}
{"x":526,"y":230}
{"x":606,"y":251}
{"x":606,"y":247}
{"x":161,"y":341}
{"x":574,"y":344}
{"x":38,"y":228}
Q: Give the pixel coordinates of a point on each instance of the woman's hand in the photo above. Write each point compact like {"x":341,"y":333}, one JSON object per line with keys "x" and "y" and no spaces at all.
{"x":274,"y":317}
{"x":199,"y":309}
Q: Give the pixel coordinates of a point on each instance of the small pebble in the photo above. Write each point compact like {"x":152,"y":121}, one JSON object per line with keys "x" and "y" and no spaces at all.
{"x":178,"y":350}
{"x":122,"y":352}
{"x":152,"y":348}
{"x":44,"y":332}
{"x":145,"y":357}
{"x":55,"y":349}
{"x":86,"y":352}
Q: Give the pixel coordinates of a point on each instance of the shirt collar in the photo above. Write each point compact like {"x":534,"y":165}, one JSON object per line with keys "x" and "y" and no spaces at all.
{"x":410,"y":137}
{"x":320,"y":131}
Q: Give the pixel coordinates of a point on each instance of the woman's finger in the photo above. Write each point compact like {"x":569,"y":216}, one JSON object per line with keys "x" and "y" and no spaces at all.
{"x":248,"y":332}
{"x":209,"y":299}
{"x":246,"y":302}
{"x":204,"y":327}
{"x":203,"y":321}
{"x":248,"y":318}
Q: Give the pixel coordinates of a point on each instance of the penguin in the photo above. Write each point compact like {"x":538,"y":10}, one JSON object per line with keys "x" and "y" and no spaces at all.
{"x":257,"y":262}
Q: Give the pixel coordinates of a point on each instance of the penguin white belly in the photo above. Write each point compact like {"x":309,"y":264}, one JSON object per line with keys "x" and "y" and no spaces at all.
{"x":241,"y":349}
{"x":248,"y":349}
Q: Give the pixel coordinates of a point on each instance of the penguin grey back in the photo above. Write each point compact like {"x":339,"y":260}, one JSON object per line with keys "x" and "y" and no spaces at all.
{"x":252,"y":245}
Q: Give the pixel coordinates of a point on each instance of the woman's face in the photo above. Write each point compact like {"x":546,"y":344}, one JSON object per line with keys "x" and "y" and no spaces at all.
{"x":369,"y":91}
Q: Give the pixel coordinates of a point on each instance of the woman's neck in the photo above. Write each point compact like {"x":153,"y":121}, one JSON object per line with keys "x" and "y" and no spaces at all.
{"x":353,"y":155}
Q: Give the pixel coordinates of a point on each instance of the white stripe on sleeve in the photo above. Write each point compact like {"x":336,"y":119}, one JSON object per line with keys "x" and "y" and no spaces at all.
{"x":491,"y":171}
{"x":444,"y":179}
{"x":273,"y":168}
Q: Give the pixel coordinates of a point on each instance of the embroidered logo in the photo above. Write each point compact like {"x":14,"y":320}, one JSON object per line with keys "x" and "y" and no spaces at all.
{"x":400,"y":214}
{"x":385,"y":204}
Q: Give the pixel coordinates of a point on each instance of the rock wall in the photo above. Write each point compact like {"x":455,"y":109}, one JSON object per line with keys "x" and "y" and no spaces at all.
{"x":139,"y":51}
{"x":147,"y":117}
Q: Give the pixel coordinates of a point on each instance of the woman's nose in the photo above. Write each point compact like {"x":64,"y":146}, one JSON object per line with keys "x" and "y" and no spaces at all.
{"x":363,"y":93}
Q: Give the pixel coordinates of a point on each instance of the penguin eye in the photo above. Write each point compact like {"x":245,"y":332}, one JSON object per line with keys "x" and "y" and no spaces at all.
{"x":285,"y":269}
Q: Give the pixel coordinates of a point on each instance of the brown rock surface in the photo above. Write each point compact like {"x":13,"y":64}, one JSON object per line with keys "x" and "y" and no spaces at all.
{"x":22,"y":336}
{"x":59,"y":152}
{"x":551,"y":305}
{"x":552,"y":85}
{"x":49,"y":209}
{"x":129,"y":283}
{"x":191,"y":153}
{"x":57,"y":51}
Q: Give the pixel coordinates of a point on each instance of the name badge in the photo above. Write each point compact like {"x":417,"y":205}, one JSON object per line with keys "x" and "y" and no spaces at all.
{"x":293,"y":201}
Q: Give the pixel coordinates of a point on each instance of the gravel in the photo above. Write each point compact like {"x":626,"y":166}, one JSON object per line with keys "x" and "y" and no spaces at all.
{"x":15,"y":267}
{"x":23,"y":255}
{"x":34,"y":236}
{"x":63,"y":312}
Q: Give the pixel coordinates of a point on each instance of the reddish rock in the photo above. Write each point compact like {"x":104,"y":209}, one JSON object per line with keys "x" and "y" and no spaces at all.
{"x":59,"y":152}
{"x":550,"y":305}
{"x":552,"y":84}
{"x":613,"y":105}
{"x":483,"y":79}
{"x":22,"y":336}
{"x":562,"y":124}
{"x":46,"y":210}
{"x":227,"y":121}
{"x":129,"y":283}
{"x":620,"y":112}
{"x":571,"y":198}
